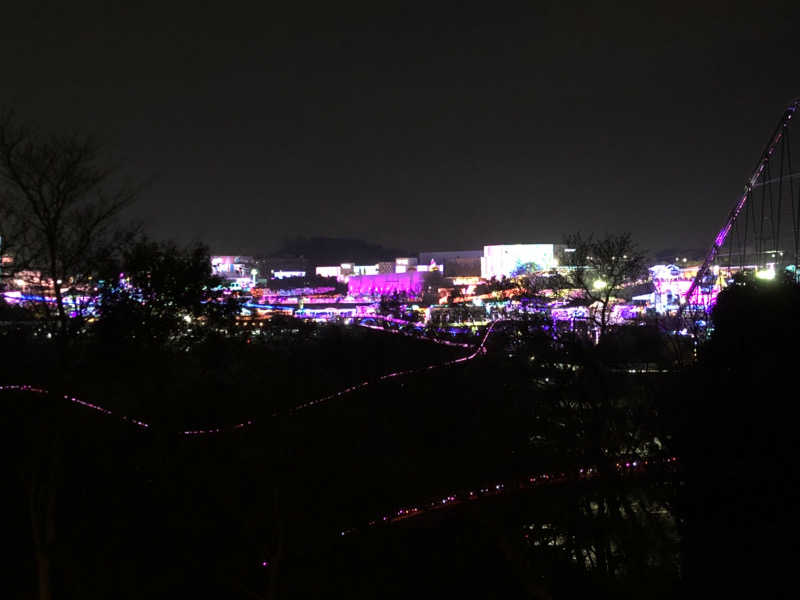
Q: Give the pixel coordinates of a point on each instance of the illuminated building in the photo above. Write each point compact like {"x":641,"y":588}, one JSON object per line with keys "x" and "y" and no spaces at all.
{"x":507,"y":260}
{"x":365,"y":269}
{"x":287,"y":274}
{"x":231,"y":266}
{"x":455,"y":263}
{"x":346,"y":270}
{"x":328,"y":271}
{"x":422,"y":268}
{"x":405,"y":264}
{"x":442,"y":257}
{"x":384,"y":284}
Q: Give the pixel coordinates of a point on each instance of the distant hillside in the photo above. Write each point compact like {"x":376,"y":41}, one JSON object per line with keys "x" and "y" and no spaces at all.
{"x":323,"y":250}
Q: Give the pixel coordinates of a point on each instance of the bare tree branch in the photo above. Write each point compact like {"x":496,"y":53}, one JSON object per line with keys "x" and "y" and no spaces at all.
{"x":599,"y":268}
{"x":58,"y":204}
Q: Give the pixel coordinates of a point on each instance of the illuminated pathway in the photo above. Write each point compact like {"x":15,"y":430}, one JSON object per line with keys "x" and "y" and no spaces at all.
{"x":408,"y":511}
{"x":434,"y":340}
{"x":416,"y":337}
{"x":479,"y":350}
{"x":95,"y":407}
{"x":636,"y":467}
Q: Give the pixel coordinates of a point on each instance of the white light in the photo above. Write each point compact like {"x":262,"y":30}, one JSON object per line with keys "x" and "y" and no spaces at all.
{"x":599,"y":284}
{"x":766,"y":274}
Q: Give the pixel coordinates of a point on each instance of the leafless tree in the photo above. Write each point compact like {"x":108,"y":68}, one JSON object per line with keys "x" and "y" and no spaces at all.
{"x":58,"y":208}
{"x":599,"y":268}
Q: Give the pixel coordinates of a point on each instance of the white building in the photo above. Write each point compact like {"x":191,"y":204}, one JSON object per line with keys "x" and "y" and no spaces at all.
{"x":365,"y":269}
{"x":329,"y":271}
{"x":344,"y":271}
{"x":505,"y":260}
{"x":405,"y":264}
{"x":287,"y":274}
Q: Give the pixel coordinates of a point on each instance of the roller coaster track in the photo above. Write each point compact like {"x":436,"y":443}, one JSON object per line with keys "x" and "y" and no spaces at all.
{"x":763,"y":161}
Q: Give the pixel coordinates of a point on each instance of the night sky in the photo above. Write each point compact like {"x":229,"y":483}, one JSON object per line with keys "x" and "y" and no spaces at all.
{"x":414,"y":127}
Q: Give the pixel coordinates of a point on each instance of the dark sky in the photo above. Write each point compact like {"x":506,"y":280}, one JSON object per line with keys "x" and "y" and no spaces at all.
{"x":420,"y":128}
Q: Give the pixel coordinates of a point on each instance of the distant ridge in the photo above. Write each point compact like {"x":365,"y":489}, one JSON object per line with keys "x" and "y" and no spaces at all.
{"x":325,"y":250}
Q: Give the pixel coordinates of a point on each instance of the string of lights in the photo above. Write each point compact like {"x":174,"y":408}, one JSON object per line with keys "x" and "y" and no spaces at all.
{"x":477,"y":352}
{"x":414,"y":335}
{"x":407,"y":511}
{"x":500,"y":488}
{"x":102,"y":410}
{"x":480,"y":349}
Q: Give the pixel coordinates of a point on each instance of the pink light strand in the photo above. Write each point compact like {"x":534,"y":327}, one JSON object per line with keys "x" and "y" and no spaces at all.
{"x":238,"y":426}
{"x":533,"y":481}
{"x":416,"y":509}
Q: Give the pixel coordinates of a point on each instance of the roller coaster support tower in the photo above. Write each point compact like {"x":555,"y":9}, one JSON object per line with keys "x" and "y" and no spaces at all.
{"x":774,"y":140}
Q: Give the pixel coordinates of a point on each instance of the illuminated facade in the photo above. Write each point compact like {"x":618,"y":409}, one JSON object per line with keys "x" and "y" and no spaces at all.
{"x":506,"y":260}
{"x":346,"y":270}
{"x":385,"y":284}
{"x":287,"y":274}
{"x":231,"y":266}
{"x":328,"y":271}
{"x":447,"y":255}
{"x":365,"y":269}
{"x":455,"y":263}
{"x":405,"y":264}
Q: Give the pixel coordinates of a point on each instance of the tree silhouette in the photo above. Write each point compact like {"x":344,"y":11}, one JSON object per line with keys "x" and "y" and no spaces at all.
{"x":613,"y":532}
{"x":160,"y":295}
{"x":58,"y":205}
{"x":739,"y":446}
{"x":599,"y":268}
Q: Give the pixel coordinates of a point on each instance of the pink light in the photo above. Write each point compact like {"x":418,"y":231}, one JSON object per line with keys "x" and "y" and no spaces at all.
{"x":547,"y":479}
{"x":479,"y":350}
{"x":385,"y":284}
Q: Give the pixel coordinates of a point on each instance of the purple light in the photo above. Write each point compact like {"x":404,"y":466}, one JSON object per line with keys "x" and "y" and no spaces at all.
{"x":548,"y":479}
{"x":732,"y":216}
{"x":385,"y":284}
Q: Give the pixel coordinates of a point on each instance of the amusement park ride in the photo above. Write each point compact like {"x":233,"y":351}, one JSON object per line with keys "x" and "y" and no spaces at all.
{"x":767,"y":249}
